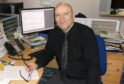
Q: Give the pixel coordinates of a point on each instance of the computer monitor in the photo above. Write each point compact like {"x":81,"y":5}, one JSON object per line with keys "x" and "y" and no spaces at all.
{"x":104,"y":27}
{"x":100,"y":24}
{"x":117,"y":4}
{"x":11,"y":8}
{"x":5,"y":8}
{"x":37,"y":19}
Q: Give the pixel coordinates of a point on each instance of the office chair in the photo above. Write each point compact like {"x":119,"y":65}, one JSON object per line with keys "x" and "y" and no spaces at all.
{"x":102,"y":52}
{"x":80,"y":15}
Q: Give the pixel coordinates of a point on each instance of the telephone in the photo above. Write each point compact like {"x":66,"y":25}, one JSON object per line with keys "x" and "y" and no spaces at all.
{"x":14,"y":49}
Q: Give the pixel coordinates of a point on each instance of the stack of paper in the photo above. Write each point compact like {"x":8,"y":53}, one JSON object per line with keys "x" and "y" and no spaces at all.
{"x":4,"y":81}
{"x":13,"y":73}
{"x":2,"y":40}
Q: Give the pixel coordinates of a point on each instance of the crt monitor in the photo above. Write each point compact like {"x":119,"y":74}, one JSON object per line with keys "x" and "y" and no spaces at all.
{"x":37,"y":19}
{"x":100,"y":24}
{"x":117,"y":4}
{"x":11,"y":8}
{"x":5,"y":8}
{"x":104,"y":27}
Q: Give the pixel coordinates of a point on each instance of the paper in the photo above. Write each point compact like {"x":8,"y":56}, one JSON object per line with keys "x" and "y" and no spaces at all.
{"x":13,"y":73}
{"x":5,"y":81}
{"x":112,"y":48}
{"x":117,"y":41}
{"x":2,"y":40}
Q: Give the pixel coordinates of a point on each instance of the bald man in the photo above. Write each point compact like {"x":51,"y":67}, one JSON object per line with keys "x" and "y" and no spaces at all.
{"x":81,"y":61}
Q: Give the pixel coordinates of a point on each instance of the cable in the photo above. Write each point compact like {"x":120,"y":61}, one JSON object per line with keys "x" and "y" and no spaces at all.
{"x":20,"y":57}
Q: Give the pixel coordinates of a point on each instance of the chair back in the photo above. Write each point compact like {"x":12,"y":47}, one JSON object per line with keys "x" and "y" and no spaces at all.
{"x":102,"y":52}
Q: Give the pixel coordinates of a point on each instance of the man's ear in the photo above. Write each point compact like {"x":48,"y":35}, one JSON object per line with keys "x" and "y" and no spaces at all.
{"x":73,"y":15}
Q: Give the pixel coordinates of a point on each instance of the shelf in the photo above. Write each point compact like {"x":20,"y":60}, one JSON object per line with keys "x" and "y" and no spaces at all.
{"x":120,"y":14}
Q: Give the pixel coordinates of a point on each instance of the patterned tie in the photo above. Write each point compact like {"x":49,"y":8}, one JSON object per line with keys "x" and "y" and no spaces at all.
{"x":64,"y":58}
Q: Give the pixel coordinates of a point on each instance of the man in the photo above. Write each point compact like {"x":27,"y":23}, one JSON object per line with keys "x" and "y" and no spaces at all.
{"x":76,"y":45}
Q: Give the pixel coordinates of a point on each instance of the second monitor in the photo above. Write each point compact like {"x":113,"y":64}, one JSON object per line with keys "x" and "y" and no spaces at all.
{"x":105,"y":27}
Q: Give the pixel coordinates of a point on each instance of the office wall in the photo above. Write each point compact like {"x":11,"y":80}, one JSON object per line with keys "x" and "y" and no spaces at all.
{"x":3,"y":1}
{"x":91,"y":9}
{"x":27,"y":3}
{"x":88,"y":7}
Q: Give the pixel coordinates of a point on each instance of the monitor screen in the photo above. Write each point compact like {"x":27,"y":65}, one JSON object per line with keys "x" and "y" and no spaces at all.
{"x":100,"y":24}
{"x":11,"y":8}
{"x":117,"y":4}
{"x":5,"y":8}
{"x":107,"y":27}
{"x":37,"y":19}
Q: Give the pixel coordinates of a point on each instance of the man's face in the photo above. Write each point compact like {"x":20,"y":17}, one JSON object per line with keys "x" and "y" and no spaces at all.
{"x":64,"y":17}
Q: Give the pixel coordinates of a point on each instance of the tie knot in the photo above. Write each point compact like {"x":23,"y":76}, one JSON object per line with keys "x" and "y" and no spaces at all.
{"x":66,"y":34}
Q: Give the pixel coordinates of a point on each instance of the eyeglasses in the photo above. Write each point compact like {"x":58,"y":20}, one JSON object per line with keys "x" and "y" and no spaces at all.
{"x":29,"y":74}
{"x":28,"y":78}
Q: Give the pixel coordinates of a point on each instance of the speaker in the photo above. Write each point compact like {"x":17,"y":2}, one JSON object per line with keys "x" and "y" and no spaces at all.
{"x":105,"y":6}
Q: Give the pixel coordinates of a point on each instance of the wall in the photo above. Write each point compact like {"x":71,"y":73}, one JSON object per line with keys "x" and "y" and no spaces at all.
{"x":88,"y":7}
{"x":91,"y":9}
{"x":3,"y":1}
{"x":28,"y":3}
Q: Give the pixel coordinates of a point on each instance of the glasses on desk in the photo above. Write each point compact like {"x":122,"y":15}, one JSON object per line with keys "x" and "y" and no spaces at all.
{"x":28,"y":78}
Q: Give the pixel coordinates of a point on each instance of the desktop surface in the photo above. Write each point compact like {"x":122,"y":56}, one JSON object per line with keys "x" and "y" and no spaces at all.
{"x":107,"y":80}
{"x":27,"y":51}
{"x":36,"y":54}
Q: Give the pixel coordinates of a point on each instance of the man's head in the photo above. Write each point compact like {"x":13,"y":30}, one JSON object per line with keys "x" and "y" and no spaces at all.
{"x":64,"y":16}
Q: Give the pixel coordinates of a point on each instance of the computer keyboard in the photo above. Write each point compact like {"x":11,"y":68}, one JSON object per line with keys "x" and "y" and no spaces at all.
{"x":36,"y":54}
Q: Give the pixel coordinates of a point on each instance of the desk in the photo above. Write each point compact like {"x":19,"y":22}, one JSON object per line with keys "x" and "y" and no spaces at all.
{"x":113,"y":75}
{"x":21,"y":63}
{"x":114,"y":68}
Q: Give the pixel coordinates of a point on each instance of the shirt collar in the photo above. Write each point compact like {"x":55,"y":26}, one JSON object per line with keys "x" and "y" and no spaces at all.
{"x":69,"y":28}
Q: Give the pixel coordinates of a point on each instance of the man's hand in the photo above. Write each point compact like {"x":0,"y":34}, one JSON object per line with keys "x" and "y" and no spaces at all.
{"x":32,"y":66}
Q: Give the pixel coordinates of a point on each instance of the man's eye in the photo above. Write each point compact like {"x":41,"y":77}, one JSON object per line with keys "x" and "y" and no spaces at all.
{"x":57,"y":15}
{"x":66,"y":13}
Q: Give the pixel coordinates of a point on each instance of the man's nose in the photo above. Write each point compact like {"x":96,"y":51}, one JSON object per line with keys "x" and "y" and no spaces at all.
{"x":61,"y":17}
